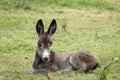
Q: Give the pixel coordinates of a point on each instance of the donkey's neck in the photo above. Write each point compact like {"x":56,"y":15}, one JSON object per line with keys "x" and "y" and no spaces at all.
{"x":52,"y":54}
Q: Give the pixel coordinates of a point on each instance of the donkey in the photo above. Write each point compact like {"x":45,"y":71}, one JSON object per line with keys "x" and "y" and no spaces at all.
{"x":48,"y":61}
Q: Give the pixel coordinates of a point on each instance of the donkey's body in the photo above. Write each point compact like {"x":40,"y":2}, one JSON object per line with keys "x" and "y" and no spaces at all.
{"x":46,"y":60}
{"x":81,"y":61}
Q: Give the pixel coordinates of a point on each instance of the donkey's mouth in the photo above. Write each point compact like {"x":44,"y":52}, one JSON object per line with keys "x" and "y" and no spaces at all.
{"x":46,"y":59}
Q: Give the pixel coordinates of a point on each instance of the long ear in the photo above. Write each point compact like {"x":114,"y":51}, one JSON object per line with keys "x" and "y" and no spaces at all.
{"x":52,"y":27}
{"x":40,"y":27}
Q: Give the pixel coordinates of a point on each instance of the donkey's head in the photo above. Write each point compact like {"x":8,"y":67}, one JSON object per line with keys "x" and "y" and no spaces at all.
{"x":44,"y":39}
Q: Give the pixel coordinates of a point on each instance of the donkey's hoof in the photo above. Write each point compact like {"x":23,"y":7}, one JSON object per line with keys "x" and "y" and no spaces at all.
{"x":58,"y":72}
{"x":62,"y":72}
{"x":65,"y":72}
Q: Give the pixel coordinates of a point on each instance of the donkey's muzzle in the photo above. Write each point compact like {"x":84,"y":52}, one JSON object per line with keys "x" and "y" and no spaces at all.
{"x":46,"y":59}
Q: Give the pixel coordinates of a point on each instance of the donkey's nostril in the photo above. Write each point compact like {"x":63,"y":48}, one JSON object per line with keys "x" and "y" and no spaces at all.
{"x":46,"y":59}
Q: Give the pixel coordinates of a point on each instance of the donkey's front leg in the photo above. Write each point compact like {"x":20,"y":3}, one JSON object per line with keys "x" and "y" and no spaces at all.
{"x":36,"y":62}
{"x":34,"y":65}
{"x":36,"y":71}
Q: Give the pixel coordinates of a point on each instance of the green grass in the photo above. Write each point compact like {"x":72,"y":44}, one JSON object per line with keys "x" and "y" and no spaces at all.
{"x":89,"y":26}
{"x":111,"y":5}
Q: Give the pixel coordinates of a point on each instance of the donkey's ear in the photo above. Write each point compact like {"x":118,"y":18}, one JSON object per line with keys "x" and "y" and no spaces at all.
{"x":40,"y":27}
{"x":52,"y":27}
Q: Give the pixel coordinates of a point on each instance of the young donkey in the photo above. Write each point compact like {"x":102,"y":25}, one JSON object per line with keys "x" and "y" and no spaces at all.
{"x":46,"y":60}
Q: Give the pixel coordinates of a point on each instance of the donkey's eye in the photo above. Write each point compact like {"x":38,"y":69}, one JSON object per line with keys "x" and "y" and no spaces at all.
{"x":50,"y":43}
{"x":40,"y":45}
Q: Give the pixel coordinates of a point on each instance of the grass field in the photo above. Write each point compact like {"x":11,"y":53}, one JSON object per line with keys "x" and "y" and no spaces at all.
{"x":92,"y":25}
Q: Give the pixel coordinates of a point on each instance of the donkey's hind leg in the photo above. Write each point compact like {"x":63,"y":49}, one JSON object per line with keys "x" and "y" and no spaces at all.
{"x":77,"y":64}
{"x":66,"y":68}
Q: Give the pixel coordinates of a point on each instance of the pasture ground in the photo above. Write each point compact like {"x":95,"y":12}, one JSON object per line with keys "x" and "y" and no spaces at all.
{"x":91,"y":26}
